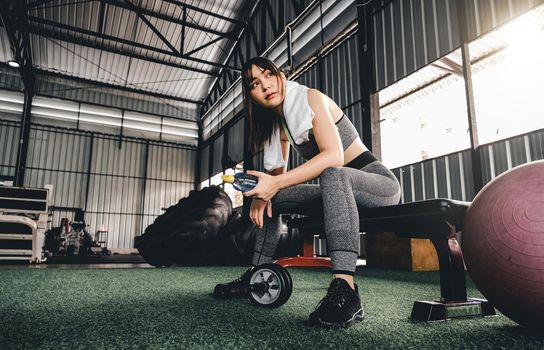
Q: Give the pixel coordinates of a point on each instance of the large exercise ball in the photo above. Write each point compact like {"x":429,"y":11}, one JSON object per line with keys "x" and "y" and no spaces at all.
{"x":503,"y":243}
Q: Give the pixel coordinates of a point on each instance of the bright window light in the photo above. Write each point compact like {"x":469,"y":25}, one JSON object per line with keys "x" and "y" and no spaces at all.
{"x":216,"y":180}
{"x":525,"y":35}
{"x":508,"y":84}
{"x":203,"y":184}
{"x":426,"y":124}
{"x":236,"y":196}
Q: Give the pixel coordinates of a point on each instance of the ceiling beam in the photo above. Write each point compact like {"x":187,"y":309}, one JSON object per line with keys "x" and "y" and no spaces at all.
{"x":208,"y":13}
{"x":83,"y":42}
{"x":40,"y":31}
{"x":211,"y":42}
{"x":141,"y":10}
{"x":39,"y":3}
{"x":155,"y":30}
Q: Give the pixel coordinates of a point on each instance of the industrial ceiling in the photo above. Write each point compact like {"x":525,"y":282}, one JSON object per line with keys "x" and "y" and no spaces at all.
{"x":164,"y":48}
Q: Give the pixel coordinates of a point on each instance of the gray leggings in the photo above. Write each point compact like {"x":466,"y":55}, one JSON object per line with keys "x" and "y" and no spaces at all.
{"x":340,"y":191}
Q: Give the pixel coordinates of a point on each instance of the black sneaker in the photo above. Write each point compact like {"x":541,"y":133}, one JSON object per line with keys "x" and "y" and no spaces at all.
{"x":239,"y":288}
{"x":340,"y":308}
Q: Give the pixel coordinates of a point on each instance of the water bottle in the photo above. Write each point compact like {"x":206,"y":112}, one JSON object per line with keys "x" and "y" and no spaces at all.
{"x":241,"y":181}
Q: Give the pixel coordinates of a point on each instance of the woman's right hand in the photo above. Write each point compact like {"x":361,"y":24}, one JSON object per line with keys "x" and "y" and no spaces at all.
{"x":256,"y":212}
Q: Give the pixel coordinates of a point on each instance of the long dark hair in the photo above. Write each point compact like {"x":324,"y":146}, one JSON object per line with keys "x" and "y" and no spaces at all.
{"x":262,"y":121}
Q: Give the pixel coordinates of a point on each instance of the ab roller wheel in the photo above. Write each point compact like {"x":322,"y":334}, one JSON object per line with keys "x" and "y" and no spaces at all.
{"x":270,"y":285}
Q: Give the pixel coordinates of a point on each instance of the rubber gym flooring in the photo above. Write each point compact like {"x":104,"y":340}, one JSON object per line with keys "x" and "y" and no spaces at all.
{"x":128,"y":306}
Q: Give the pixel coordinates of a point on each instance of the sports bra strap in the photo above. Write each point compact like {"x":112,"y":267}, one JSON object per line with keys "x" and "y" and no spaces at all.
{"x":286,"y":130}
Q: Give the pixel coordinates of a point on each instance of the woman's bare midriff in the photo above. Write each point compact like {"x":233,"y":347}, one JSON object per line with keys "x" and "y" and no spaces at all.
{"x":355,"y":149}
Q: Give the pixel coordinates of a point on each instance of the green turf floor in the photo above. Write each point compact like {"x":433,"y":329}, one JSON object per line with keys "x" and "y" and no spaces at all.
{"x":86,"y":308}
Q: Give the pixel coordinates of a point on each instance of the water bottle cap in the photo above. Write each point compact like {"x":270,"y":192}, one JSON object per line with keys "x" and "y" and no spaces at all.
{"x":227,"y":178}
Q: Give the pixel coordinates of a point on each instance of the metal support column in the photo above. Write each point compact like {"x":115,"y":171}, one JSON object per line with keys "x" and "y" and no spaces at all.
{"x":366,"y":72}
{"x":24,"y":138}
{"x":144,"y":185}
{"x":89,"y":168}
{"x":248,"y":162}
{"x":469,"y":94}
{"x":198,"y":157}
{"x":14,"y":17}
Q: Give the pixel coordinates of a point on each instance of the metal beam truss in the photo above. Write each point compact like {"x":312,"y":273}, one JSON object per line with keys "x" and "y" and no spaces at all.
{"x":268,"y":17}
{"x":13,"y":15}
{"x":68,"y":33}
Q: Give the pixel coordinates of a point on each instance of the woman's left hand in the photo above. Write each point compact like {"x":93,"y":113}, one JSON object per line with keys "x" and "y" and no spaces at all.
{"x":267,"y":187}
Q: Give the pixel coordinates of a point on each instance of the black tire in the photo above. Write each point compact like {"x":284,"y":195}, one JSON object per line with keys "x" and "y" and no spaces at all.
{"x":187,"y":232}
{"x":278,"y":284}
{"x":288,"y":283}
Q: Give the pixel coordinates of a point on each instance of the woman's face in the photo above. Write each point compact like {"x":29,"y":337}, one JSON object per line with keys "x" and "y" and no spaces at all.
{"x":266,"y":89}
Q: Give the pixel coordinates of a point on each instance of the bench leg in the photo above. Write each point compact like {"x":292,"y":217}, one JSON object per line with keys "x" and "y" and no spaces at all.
{"x":453,"y":302}
{"x":453,"y":286}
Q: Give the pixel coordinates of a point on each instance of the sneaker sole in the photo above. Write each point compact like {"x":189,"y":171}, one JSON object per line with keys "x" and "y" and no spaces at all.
{"x":357,"y":317}
{"x":229,"y":294}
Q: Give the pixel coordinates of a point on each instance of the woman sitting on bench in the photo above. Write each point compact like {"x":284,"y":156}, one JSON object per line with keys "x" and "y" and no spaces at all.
{"x":283,"y":112}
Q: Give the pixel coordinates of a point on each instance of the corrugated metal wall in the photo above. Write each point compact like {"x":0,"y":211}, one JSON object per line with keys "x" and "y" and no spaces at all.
{"x":217,"y":154}
{"x":236,"y":141}
{"x":485,"y":15}
{"x":60,"y":159}
{"x":129,"y":183}
{"x":450,"y":176}
{"x":204,"y":163}
{"x":340,"y":79}
{"x":115,"y":189}
{"x":170,"y":174}
{"x":408,"y":35}
{"x":443,"y":177}
{"x":9,"y":140}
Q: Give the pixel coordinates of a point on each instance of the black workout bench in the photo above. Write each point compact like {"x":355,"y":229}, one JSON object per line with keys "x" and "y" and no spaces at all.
{"x":437,"y":220}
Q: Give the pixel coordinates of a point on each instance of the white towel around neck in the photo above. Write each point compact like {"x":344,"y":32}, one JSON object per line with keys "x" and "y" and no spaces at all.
{"x":298,"y":116}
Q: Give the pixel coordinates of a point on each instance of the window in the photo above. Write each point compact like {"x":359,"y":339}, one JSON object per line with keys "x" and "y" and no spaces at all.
{"x":424,"y":115}
{"x":508,"y":80}
{"x":236,"y":196}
